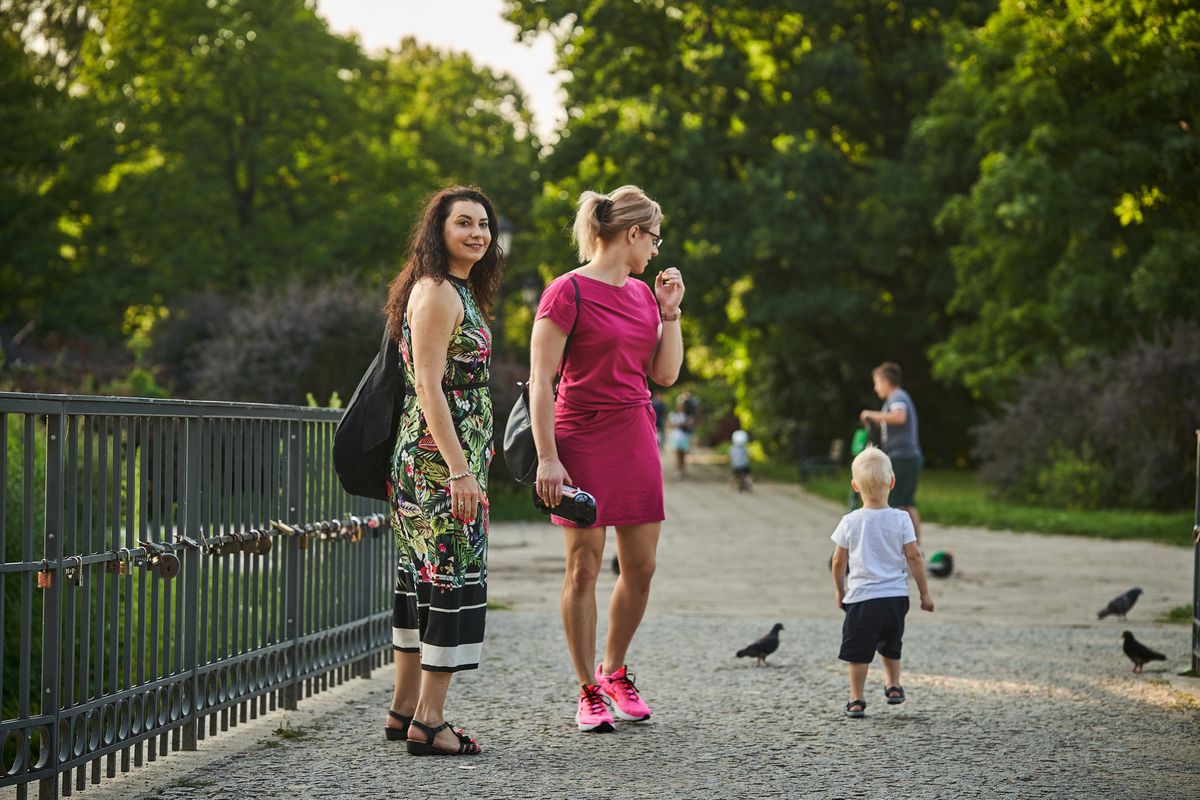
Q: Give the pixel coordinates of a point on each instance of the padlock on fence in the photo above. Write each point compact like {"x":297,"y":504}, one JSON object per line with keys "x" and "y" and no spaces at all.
{"x":161,"y":559}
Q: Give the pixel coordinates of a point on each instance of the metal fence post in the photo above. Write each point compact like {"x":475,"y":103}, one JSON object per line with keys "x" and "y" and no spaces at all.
{"x":190,"y":514}
{"x":1196,"y":569}
{"x":292,"y":590}
{"x":52,"y":597}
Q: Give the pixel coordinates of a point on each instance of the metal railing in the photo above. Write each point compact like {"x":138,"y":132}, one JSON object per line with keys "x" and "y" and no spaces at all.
{"x":1196,"y":569}
{"x":171,"y":569}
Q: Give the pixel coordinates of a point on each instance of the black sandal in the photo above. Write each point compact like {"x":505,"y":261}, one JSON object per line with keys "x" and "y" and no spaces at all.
{"x":898,"y":699}
{"x":397,"y":734}
{"x":466,"y":745}
{"x":856,"y":708}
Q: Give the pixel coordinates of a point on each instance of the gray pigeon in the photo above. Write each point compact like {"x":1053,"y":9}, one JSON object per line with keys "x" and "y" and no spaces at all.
{"x":1120,"y":605}
{"x":1138,"y":653}
{"x":763,"y":647}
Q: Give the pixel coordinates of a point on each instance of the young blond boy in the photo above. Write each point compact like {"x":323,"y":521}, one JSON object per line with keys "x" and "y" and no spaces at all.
{"x":876,"y":551}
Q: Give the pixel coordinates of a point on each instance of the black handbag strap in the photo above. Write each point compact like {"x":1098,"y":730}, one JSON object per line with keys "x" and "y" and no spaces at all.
{"x":567,"y":346}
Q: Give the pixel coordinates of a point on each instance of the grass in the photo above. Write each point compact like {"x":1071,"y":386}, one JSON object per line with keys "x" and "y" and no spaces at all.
{"x":955,"y":497}
{"x":1179,"y":615}
{"x":510,"y":502}
{"x":286,"y":731}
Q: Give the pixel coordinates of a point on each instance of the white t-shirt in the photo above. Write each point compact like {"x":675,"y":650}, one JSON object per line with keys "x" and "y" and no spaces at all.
{"x":875,"y":538}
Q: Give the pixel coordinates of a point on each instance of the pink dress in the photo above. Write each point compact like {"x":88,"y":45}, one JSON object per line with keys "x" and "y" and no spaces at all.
{"x":603,"y":419}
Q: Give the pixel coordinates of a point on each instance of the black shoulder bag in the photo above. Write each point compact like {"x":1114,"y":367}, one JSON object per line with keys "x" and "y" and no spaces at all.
{"x":520,"y":453}
{"x":366,"y":434}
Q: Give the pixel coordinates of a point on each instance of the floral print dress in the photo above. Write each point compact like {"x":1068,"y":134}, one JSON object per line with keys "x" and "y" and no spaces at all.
{"x":434,"y":546}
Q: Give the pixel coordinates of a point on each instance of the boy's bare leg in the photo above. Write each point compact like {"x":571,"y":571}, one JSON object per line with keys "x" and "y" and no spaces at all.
{"x":891,"y":670}
{"x":858,"y":681}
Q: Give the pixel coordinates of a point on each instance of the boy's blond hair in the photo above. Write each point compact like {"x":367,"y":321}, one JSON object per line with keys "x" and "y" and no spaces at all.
{"x":872,"y":471}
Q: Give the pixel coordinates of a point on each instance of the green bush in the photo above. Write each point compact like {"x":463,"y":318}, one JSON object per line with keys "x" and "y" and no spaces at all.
{"x":1071,"y":480}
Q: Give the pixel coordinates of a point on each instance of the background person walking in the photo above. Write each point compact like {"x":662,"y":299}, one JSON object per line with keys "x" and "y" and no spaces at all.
{"x":899,"y":438}
{"x":600,"y":435}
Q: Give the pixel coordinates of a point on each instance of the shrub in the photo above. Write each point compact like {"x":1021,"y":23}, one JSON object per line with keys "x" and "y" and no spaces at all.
{"x":1120,"y":429}
{"x":278,"y":346}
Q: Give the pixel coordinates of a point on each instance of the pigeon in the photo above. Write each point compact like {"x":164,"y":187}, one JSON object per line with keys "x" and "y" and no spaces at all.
{"x":1138,"y":653}
{"x":1120,"y":605}
{"x":763,"y":647}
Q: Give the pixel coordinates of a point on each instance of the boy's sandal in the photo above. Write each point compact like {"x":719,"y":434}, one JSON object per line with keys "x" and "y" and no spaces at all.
{"x":856,"y":708}
{"x":466,"y":745}
{"x":397,"y":734}
{"x":894,"y":695}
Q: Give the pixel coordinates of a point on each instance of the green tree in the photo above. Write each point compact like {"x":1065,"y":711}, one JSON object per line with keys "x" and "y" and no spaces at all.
{"x":1077,"y":233}
{"x":776,"y":136}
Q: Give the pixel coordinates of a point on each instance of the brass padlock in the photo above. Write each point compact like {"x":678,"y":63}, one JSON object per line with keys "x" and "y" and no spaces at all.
{"x":262,"y":542}
{"x":45,"y":578}
{"x":119,"y":565}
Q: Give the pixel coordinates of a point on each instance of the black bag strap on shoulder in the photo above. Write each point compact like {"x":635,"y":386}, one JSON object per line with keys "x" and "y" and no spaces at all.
{"x":562,"y":365}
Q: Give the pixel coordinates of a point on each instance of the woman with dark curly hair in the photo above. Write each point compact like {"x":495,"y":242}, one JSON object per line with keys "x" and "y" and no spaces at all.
{"x":435,"y":311}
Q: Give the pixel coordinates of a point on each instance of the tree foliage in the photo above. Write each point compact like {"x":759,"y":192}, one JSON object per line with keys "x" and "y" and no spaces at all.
{"x":225,"y":145}
{"x":1078,"y":232}
{"x":775,"y":135}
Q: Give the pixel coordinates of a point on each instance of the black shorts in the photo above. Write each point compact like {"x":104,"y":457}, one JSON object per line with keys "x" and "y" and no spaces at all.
{"x":873,"y":625}
{"x":906,"y":470}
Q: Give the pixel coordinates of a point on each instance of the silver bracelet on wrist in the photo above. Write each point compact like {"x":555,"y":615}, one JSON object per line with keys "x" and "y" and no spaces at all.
{"x":670,"y":317}
{"x":458,"y":476}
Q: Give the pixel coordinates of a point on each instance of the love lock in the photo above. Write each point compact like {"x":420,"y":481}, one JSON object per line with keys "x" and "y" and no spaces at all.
{"x":45,"y":576}
{"x":307,"y":531}
{"x":188,"y":542}
{"x":73,"y":571}
{"x":215,"y":547}
{"x":326,"y":531}
{"x":121,"y":564}
{"x":262,"y":542}
{"x":161,"y":559}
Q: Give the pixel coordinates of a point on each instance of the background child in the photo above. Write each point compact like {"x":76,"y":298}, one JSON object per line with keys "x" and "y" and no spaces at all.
{"x":876,"y":543}
{"x":739,"y":459}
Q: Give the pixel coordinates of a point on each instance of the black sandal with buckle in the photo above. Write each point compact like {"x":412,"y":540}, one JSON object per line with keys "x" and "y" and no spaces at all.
{"x":856,"y":708}
{"x":397,"y":734}
{"x":466,"y":745}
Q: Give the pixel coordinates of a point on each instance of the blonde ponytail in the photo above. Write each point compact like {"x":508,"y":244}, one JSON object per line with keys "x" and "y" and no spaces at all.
{"x":601,"y":217}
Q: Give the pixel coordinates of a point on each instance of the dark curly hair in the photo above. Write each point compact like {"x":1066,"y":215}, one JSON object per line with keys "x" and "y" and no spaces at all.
{"x":427,"y":256}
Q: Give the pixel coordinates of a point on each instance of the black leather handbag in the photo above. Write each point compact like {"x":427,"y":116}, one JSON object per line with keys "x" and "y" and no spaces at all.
{"x":520,"y":453}
{"x":366,"y":435}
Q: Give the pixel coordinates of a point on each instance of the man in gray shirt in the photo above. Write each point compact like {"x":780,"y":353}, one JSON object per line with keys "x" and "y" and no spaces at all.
{"x":898,"y":422}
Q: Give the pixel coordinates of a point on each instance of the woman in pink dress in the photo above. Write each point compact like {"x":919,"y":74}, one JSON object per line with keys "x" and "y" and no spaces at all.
{"x":598,"y":434}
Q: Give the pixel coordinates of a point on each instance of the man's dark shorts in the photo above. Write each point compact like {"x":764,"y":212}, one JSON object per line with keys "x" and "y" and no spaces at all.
{"x":906,"y":470}
{"x":873,"y":625}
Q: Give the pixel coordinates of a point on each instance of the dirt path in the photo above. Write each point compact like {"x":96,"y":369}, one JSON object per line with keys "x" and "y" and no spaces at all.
{"x":766,"y":553}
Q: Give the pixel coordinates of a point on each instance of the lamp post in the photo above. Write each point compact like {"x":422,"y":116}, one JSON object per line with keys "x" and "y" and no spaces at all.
{"x":505,"y":236}
{"x":531,"y":292}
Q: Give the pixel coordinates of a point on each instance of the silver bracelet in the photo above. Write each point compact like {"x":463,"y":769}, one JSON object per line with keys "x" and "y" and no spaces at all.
{"x":459,"y":475}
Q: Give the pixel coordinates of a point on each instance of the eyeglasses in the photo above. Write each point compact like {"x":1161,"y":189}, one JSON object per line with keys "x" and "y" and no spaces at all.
{"x":655,"y":239}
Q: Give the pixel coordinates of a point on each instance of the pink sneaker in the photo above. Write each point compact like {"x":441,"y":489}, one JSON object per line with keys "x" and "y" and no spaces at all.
{"x":593,"y":715}
{"x":619,"y":686}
